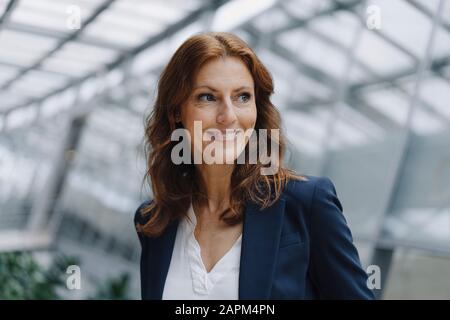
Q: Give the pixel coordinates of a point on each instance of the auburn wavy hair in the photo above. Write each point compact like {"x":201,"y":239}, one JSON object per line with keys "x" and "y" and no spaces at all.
{"x":175,"y":186}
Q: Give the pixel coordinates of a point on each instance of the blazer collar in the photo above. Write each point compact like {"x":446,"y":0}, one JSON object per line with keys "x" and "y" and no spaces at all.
{"x":259,"y":250}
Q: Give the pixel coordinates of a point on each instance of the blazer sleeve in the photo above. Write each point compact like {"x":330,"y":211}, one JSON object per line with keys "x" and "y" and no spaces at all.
{"x":336,"y":268}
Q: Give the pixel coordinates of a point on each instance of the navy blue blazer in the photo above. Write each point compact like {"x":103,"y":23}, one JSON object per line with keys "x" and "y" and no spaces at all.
{"x":299,"y":248}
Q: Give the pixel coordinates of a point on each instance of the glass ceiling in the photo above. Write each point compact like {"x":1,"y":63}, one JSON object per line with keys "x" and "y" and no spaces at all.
{"x":325,"y":62}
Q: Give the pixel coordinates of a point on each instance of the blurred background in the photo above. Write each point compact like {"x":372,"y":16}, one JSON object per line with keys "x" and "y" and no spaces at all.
{"x":363,"y":88}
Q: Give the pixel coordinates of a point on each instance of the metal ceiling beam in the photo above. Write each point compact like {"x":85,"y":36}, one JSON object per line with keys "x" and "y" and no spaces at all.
{"x":104,"y":6}
{"x":381,"y":256}
{"x":391,"y":80}
{"x":355,"y":94}
{"x":44,"y":205}
{"x":436,"y":66}
{"x":21,"y":67}
{"x":443,"y":24}
{"x":358,"y":103}
{"x":8,"y":11}
{"x":54,"y":34}
{"x":322,"y":77}
{"x":305,"y":68}
{"x":336,"y":6}
{"x":168,"y":32}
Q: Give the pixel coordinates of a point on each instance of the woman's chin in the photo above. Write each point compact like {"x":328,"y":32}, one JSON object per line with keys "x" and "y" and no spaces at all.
{"x":221,"y":154}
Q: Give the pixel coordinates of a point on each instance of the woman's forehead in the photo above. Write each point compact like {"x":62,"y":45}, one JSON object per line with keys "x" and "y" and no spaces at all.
{"x":223,"y":72}
{"x":223,"y":63}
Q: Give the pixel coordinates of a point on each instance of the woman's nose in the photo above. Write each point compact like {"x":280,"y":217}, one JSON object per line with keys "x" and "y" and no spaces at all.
{"x":227,"y":113}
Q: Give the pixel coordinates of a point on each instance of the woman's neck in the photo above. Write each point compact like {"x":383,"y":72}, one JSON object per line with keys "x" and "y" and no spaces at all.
{"x":216,"y":180}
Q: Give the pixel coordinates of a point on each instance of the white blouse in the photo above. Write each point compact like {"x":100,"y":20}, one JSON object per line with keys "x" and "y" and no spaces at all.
{"x":187,"y":277}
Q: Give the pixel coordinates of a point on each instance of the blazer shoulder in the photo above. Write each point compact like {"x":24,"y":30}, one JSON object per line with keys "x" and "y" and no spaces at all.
{"x":138,"y":217}
{"x":305,"y":191}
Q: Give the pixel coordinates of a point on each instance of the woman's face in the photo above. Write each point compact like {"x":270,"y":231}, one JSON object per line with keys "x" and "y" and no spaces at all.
{"x":223,"y":100}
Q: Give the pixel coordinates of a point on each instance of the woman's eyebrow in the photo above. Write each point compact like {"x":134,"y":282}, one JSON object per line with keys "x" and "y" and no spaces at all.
{"x":213,"y":89}
{"x":208,"y":87}
{"x":242,"y":88}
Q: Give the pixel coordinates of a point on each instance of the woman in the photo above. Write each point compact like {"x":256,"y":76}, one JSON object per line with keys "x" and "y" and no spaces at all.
{"x":227,"y":229}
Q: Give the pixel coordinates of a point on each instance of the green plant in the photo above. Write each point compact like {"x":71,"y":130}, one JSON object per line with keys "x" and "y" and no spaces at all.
{"x":22,"y":278}
{"x":113,"y":289}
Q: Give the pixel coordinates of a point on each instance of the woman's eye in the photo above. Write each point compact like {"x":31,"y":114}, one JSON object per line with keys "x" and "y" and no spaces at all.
{"x":206,"y":97}
{"x":244,"y":97}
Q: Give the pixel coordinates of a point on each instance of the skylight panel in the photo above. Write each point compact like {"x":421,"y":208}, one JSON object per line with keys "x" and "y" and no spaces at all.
{"x":164,"y":12}
{"x":236,"y":12}
{"x":305,"y":8}
{"x":131,"y":22}
{"x":343,"y":21}
{"x":86,"y":53}
{"x":437,"y":93}
{"x":405,"y":25}
{"x":379,"y":55}
{"x":115,"y":34}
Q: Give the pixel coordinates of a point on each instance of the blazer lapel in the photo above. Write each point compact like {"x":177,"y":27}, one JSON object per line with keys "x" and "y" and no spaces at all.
{"x":161,"y":253}
{"x":259,"y":250}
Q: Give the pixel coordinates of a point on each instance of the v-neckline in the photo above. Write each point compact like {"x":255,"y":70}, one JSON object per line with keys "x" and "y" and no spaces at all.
{"x":197,"y":247}
{"x":220,"y":261}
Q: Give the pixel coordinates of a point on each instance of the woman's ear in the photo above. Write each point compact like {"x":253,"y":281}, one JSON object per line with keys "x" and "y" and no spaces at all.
{"x":177,"y":117}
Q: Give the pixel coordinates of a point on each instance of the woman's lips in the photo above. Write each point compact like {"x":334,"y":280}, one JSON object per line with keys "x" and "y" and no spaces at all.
{"x":217,"y":135}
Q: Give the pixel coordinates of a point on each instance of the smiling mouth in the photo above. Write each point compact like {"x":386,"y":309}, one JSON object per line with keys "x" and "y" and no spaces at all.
{"x":217,"y":135}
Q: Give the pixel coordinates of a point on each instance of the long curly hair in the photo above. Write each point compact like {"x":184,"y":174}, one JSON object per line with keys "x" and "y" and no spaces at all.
{"x":174,"y":186}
